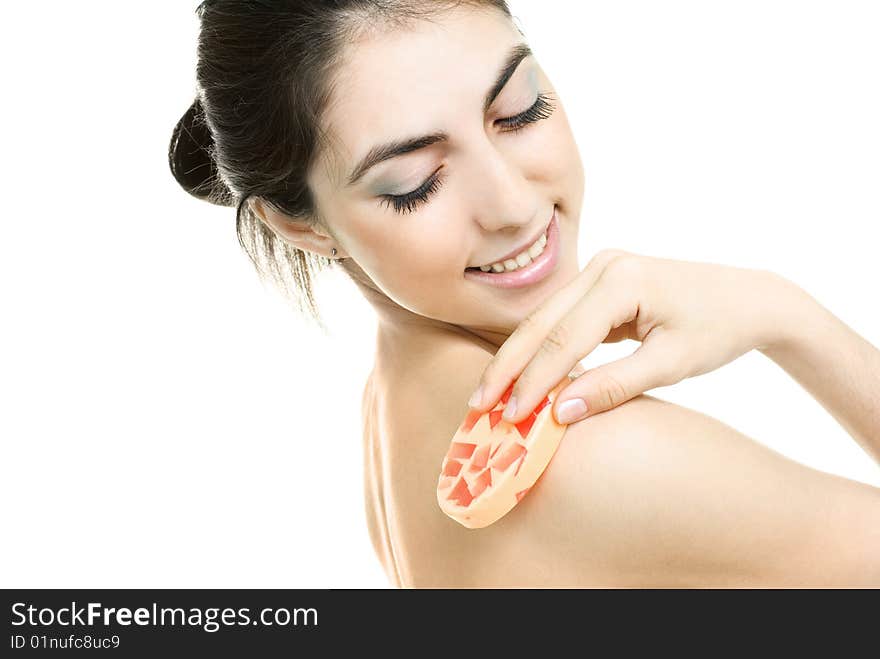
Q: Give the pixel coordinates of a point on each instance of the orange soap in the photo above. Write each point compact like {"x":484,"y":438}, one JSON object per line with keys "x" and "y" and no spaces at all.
{"x":492,"y":463}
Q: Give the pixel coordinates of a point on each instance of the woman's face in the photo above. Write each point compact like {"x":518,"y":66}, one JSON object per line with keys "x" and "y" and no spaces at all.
{"x":490,"y":189}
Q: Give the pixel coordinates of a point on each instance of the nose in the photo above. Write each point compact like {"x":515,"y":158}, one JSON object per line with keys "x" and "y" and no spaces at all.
{"x":500,"y":192}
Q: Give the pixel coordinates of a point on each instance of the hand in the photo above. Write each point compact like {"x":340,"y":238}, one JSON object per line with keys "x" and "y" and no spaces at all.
{"x":690,"y":317}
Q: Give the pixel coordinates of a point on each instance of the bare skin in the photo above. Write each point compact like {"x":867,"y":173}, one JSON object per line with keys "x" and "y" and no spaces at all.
{"x":644,"y":494}
{"x":647,"y":494}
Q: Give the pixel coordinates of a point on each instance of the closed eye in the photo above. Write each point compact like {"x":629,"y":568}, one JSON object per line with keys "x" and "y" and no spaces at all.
{"x":542,"y":109}
{"x":409,"y":202}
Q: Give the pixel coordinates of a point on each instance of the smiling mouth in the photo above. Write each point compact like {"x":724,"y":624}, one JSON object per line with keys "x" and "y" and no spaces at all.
{"x":478,"y":269}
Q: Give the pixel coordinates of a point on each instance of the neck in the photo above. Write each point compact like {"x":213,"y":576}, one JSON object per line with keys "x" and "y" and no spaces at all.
{"x":402,"y":332}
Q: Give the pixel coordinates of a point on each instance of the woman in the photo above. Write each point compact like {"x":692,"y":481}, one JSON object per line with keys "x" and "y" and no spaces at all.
{"x":420,"y":147}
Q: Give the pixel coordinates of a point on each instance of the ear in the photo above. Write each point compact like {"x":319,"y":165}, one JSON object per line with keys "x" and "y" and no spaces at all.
{"x":296,"y":232}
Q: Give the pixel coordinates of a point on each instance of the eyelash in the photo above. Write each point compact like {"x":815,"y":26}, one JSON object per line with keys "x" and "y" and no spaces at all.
{"x":409,"y":202}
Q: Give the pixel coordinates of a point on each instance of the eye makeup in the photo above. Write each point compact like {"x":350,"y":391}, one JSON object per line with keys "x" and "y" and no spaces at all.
{"x":409,"y":202}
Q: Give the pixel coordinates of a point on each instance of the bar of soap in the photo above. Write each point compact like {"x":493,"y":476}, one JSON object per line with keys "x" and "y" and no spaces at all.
{"x":491,"y":463}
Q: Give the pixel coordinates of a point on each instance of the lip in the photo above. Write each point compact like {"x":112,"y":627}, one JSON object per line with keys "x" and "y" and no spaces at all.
{"x":538,"y":269}
{"x":523,"y":248}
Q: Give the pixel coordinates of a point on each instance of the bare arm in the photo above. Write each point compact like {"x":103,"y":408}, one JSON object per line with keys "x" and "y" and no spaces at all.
{"x":839,"y":368}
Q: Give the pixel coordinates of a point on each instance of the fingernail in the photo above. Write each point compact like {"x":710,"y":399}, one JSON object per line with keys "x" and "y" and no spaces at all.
{"x":476,"y":397}
{"x":571,"y":410}
{"x":510,"y":408}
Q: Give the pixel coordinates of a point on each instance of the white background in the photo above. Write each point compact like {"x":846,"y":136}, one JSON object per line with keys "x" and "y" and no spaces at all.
{"x":169,"y":422}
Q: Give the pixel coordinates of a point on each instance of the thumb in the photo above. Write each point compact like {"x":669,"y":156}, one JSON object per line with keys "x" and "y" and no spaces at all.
{"x":607,"y":386}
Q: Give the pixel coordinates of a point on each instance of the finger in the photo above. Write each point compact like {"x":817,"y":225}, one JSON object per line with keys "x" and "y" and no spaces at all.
{"x":604,"y":306}
{"x":655,"y":364}
{"x":618,"y":334}
{"x":510,"y":359}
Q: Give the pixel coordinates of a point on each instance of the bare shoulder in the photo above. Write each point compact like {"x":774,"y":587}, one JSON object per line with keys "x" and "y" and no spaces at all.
{"x":647,"y":494}
{"x":663,"y":495}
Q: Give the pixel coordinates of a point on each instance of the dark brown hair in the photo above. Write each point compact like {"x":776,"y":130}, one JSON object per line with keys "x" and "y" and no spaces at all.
{"x":263,"y":80}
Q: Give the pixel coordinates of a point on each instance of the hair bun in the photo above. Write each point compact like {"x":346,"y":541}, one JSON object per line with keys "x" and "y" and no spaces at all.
{"x":191,"y":158}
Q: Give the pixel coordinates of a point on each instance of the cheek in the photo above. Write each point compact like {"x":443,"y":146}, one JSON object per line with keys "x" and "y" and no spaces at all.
{"x":432,"y":253}
{"x":561,"y":161}
{"x":413,"y":260}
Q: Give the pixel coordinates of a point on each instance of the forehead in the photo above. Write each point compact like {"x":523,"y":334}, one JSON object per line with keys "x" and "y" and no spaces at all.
{"x":413,"y":81}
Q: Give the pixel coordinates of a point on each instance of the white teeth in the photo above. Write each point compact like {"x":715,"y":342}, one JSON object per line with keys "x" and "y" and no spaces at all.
{"x":536,"y":249}
{"x":520,"y":260}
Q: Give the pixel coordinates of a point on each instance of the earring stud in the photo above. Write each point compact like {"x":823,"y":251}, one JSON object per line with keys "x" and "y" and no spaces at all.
{"x":333,"y":252}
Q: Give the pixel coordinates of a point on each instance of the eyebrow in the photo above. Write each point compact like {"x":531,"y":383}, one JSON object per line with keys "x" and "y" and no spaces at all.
{"x":396,"y":148}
